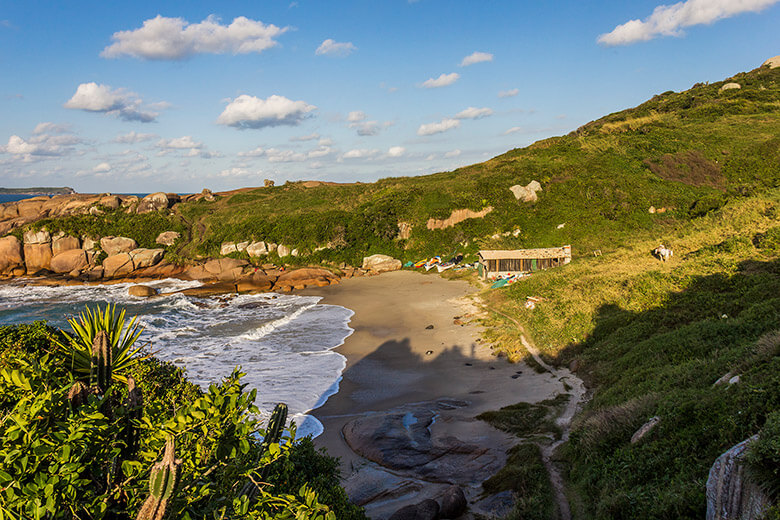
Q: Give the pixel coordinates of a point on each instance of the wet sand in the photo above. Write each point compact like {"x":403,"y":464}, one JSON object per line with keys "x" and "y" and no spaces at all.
{"x":417,"y":342}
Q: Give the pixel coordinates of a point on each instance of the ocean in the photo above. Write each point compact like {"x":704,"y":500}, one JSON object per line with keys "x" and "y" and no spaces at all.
{"x":284,"y":343}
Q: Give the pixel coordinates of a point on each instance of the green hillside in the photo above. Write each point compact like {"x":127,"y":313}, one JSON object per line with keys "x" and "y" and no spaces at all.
{"x":687,"y":153}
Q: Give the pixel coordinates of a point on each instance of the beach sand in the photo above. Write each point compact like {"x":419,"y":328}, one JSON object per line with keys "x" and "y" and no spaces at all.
{"x":416,"y":356}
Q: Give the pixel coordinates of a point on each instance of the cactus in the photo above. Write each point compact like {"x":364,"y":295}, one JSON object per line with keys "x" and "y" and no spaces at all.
{"x":273,"y":434}
{"x":162,"y":484}
{"x":102,"y":361}
{"x":77,"y":394}
{"x":275,"y":428}
{"x":133,"y":407}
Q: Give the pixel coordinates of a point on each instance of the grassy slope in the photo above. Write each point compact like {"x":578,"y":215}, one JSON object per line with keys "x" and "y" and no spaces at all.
{"x":689,"y":152}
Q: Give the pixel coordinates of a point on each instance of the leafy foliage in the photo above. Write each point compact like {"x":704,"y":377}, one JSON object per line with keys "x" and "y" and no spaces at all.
{"x":63,"y":460}
{"x":76,"y":349}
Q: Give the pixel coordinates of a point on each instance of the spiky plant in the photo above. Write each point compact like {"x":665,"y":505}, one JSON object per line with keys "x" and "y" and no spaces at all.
{"x":76,"y":349}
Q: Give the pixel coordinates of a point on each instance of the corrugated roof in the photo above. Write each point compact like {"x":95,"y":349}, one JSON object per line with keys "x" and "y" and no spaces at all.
{"x":547,"y":252}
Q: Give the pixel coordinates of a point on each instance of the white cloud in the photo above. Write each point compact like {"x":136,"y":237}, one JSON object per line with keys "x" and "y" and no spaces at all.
{"x":476,"y":57}
{"x":333,"y":48}
{"x":474,"y":113}
{"x":509,"y":93}
{"x":437,"y":128}
{"x":239,"y":172}
{"x":133,"y":137}
{"x":257,"y":152}
{"x":322,"y":151}
{"x":396,"y":151}
{"x":162,"y":38}
{"x":40,"y":146}
{"x":670,"y":20}
{"x":102,"y":168}
{"x":92,"y":97}
{"x":514,"y":130}
{"x":252,"y":112}
{"x":179,"y":143}
{"x":275,"y":155}
{"x":442,"y":81}
{"x":310,"y":137}
{"x":356,"y":116}
{"x":359,"y":154}
{"x":52,"y":128}
{"x":453,"y":153}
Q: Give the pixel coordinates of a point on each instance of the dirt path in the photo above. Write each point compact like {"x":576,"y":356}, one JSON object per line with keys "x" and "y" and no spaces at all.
{"x":563,"y":421}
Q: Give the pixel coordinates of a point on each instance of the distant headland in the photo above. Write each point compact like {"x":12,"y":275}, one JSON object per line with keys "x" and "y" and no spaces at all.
{"x":38,"y":191}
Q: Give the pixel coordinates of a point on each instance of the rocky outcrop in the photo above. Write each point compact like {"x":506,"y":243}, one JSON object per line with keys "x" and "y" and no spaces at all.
{"x":167,"y":238}
{"x":452,"y":503}
{"x":404,"y":230}
{"x":306,"y":277}
{"x":145,"y":257}
{"x":730,"y":494}
{"x":256,"y":249}
{"x":37,"y":251}
{"x":772,"y":63}
{"x":381,"y":263}
{"x":457,"y":216}
{"x":426,"y":510}
{"x":142,"y":291}
{"x":11,"y":259}
{"x":62,"y":242}
{"x":153,"y":202}
{"x":70,"y":261}
{"x":526,"y":193}
{"x":37,"y":237}
{"x":730,"y":86}
{"x":118,"y":265}
{"x":283,"y":251}
{"x":115,"y":245}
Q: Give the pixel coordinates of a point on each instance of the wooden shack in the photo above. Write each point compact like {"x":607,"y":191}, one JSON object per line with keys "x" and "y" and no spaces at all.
{"x":501,"y":263}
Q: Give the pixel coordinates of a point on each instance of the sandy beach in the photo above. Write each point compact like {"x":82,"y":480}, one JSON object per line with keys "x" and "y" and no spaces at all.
{"x":417,"y":375}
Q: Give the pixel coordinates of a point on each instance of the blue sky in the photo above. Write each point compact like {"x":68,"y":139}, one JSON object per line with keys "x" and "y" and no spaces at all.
{"x":174,"y":96}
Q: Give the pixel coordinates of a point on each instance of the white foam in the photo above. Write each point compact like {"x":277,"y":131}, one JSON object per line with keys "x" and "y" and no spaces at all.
{"x":283,"y":342}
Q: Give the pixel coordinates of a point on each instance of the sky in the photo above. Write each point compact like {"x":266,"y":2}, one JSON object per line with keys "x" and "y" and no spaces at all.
{"x":137,"y":97}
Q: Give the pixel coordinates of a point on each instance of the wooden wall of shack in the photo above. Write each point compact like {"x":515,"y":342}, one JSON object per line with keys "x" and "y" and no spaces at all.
{"x":524,"y":260}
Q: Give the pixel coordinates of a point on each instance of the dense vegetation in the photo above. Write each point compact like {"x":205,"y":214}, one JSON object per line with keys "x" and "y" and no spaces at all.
{"x":697,"y":170}
{"x":652,"y":339}
{"x":75,"y":446}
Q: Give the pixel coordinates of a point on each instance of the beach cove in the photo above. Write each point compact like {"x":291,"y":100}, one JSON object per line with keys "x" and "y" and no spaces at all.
{"x":417,"y":374}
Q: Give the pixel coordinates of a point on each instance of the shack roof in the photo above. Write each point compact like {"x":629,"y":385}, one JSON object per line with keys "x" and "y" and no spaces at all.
{"x":513,"y":254}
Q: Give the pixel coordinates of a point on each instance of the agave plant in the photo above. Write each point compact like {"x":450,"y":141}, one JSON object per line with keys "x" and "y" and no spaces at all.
{"x":122,"y":335}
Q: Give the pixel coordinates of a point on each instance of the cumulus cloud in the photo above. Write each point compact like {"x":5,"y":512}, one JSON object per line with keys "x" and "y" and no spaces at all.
{"x":474,"y":113}
{"x":453,"y":153}
{"x":513,"y":130}
{"x":358,"y":120}
{"x":509,"y":93}
{"x":257,"y":152}
{"x":310,"y":137}
{"x":476,"y":57}
{"x":333,"y":48}
{"x":40,"y":146}
{"x":186,"y":146}
{"x":437,"y":128}
{"x":121,"y":103}
{"x":442,"y":81}
{"x":396,"y":151}
{"x":252,"y":112}
{"x":102,"y":168}
{"x":134,"y":137}
{"x":360,"y":154}
{"x":670,"y":20}
{"x":162,"y":38}
{"x":51,"y":128}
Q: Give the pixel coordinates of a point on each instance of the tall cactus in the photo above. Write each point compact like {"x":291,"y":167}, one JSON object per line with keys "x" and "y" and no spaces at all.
{"x":273,"y":434}
{"x":162,"y":484}
{"x":102,"y":361}
{"x":133,"y":411}
{"x":275,"y":428}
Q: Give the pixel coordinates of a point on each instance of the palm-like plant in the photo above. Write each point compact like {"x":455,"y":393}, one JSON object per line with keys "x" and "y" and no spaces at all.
{"x":122,"y":335}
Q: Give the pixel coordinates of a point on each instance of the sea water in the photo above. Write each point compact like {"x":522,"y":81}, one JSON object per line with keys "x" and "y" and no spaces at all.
{"x":284,"y":343}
